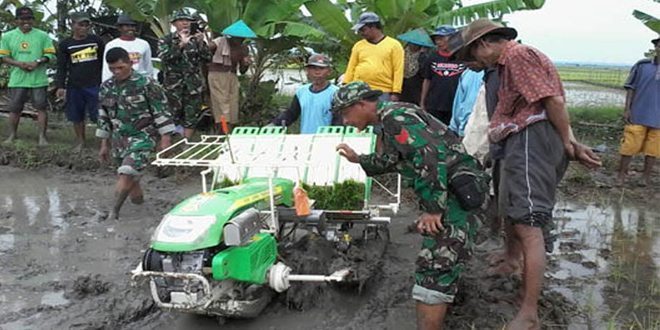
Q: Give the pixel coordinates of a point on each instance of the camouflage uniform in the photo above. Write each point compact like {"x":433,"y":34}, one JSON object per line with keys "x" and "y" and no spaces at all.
{"x":419,"y":147}
{"x":132,"y":113}
{"x":182,"y":75}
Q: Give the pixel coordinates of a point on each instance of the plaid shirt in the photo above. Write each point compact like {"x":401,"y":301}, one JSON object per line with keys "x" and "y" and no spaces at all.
{"x":527,"y":76}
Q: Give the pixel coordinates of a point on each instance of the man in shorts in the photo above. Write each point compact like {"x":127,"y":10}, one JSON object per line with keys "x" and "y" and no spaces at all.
{"x":642,"y":115}
{"x":532,"y":124}
{"x":28,"y":50}
{"x":426,"y":154}
{"x":132,"y":114}
{"x":78,"y":78}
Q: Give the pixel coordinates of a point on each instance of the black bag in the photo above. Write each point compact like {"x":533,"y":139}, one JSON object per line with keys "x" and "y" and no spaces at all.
{"x":468,"y":190}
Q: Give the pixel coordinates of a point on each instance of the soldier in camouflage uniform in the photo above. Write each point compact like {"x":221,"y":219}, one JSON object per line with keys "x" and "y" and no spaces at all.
{"x":420,"y":148}
{"x":132,"y":114}
{"x":183,"y":55}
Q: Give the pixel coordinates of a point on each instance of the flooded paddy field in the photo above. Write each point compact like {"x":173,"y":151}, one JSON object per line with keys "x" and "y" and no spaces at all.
{"x":65,"y":266}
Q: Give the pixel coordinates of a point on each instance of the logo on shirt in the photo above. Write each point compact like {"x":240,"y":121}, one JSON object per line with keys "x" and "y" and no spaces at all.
{"x":25,"y":45}
{"x":135,"y":57}
{"x":447,"y":69}
{"x":85,"y":55}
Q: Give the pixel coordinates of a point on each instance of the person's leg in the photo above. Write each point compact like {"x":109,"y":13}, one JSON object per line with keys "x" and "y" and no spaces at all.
{"x":651,"y":152}
{"x":631,"y":144}
{"x":122,"y":189}
{"x":439,"y":265}
{"x":136,"y":194}
{"x":15,"y":107}
{"x":75,"y":113}
{"x":233,"y":98}
{"x":40,"y":102}
{"x":430,"y":317}
{"x":534,"y":267}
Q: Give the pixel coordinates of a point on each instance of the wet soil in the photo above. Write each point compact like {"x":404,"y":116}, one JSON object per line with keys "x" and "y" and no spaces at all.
{"x":65,"y":266}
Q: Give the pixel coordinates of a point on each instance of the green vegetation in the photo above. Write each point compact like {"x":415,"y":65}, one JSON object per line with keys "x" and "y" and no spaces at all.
{"x":601,"y":115}
{"x":347,"y":195}
{"x":600,"y":76}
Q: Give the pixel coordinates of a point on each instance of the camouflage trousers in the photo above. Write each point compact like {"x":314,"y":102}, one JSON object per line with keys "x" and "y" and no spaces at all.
{"x":443,"y":256}
{"x":184,"y":97}
{"x":132,"y":154}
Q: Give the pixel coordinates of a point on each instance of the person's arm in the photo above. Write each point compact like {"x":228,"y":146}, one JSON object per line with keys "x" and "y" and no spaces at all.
{"x":425,"y":90}
{"x":103,"y":127}
{"x":169,"y":49}
{"x":100,"y":51}
{"x":245,"y":60}
{"x":62,"y":66}
{"x":289,"y":116}
{"x":630,"y":95}
{"x":352,"y":63}
{"x":148,"y":65}
{"x":155,"y":95}
{"x":397,"y":66}
{"x":48,"y":50}
{"x":105,"y":70}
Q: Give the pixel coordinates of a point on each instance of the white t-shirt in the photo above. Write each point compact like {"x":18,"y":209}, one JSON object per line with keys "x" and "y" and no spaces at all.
{"x":138,"y":50}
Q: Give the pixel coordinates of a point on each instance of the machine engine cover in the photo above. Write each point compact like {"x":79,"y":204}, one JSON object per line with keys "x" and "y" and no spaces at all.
{"x":240,"y":230}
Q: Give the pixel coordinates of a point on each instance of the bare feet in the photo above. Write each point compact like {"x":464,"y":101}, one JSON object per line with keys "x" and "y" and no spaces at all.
{"x":43,"y":141}
{"x":10,"y":139}
{"x":138,"y":200}
{"x":524,"y":322}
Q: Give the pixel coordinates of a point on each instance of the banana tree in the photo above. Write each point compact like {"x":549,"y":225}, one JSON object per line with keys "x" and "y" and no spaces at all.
{"x":154,"y":12}
{"x":650,"y":21}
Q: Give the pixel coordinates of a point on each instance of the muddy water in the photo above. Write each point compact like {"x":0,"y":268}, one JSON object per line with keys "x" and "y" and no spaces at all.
{"x":608,"y":261}
{"x":64,"y":266}
{"x":585,"y":95}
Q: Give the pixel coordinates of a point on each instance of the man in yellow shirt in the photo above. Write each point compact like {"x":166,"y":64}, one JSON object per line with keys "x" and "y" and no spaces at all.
{"x":376,"y":59}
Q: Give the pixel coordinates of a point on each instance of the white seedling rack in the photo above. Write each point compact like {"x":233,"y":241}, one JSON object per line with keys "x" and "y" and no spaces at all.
{"x":269,"y":152}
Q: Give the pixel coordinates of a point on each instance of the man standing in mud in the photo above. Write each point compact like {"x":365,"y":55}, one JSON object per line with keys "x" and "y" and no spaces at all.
{"x":642,"y":116}
{"x":428,"y":156}
{"x":532,"y":123}
{"x":132,"y":113}
{"x":183,"y":53}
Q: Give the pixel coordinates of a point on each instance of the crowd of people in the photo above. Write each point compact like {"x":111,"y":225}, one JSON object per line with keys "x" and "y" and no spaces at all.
{"x":444,"y":107}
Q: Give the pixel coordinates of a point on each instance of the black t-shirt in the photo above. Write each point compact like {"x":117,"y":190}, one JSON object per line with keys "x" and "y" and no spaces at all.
{"x":79,"y":62}
{"x":444,"y":75}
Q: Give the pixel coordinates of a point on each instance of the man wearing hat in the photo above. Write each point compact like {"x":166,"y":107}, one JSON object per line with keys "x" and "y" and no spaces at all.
{"x":376,"y":59}
{"x":642,"y":115}
{"x":138,"y":49}
{"x":27,"y":50}
{"x":415,"y":52}
{"x":420,"y":148}
{"x":183,"y":53}
{"x":312,"y":101}
{"x":79,"y":65}
{"x":532,"y":123}
{"x":441,"y":76}
{"x":229,"y":56}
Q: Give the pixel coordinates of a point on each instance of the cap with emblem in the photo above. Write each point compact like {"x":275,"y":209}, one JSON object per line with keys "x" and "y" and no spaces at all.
{"x":24,"y":13}
{"x":352,"y":93}
{"x":319,"y":60}
{"x":443,"y":31}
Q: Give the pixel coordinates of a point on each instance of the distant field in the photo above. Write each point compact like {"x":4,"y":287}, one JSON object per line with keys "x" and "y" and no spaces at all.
{"x":596,"y":75}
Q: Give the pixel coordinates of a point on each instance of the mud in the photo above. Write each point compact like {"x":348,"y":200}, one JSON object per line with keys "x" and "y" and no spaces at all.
{"x":65,"y":266}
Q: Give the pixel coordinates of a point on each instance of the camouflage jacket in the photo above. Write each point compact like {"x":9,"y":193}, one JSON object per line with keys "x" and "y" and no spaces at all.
{"x":420,"y":148}
{"x":135,"y":108}
{"x":186,"y":61}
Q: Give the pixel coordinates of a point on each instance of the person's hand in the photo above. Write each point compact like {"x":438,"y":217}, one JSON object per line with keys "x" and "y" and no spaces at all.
{"x":104,"y":154}
{"x":31,"y":65}
{"x":165,"y":142}
{"x":394,"y":97}
{"x":431,"y":224}
{"x":247,"y":60}
{"x":60,"y":94}
{"x":569,"y":148}
{"x":586,"y":156}
{"x":348,"y":153}
{"x":626,"y":116}
{"x":184,"y":37}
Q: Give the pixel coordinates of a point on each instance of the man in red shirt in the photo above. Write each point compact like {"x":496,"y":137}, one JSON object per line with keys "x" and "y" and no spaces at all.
{"x":532,"y":124}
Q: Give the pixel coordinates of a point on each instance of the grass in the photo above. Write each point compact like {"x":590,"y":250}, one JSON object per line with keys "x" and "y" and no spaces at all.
{"x":601,"y":76}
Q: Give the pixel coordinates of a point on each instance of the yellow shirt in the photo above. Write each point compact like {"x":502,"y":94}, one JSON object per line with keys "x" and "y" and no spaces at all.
{"x":379,"y":65}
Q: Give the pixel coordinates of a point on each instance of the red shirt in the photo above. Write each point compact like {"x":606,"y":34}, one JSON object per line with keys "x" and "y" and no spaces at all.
{"x":527,"y":76}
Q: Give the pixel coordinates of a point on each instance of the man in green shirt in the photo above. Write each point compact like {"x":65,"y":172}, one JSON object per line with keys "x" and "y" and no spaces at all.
{"x":27,"y":49}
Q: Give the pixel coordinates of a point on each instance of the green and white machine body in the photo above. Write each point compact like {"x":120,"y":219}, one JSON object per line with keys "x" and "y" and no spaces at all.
{"x":215,"y":253}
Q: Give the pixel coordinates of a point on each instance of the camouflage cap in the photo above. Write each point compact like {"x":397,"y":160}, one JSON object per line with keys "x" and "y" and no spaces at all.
{"x":181,"y":14}
{"x":352,"y":93}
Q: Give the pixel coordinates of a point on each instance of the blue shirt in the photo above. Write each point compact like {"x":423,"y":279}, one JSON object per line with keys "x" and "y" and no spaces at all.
{"x":466,"y":95}
{"x":644,"y":79}
{"x":315,"y":107}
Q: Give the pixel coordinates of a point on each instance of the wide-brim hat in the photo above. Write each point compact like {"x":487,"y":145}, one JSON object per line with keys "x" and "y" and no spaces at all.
{"x":239,"y":30}
{"x":459,"y":43}
{"x":417,"y":37}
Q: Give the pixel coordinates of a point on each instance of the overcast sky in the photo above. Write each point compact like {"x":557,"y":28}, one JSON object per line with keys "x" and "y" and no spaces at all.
{"x":602,"y":31}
